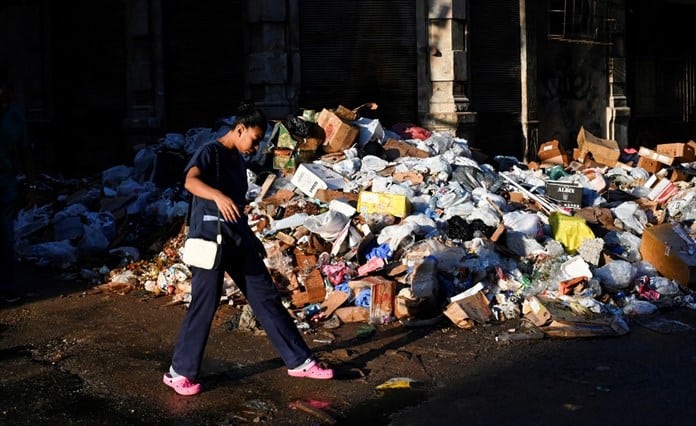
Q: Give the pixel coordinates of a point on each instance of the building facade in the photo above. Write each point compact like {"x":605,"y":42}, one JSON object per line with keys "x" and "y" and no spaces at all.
{"x":101,"y":78}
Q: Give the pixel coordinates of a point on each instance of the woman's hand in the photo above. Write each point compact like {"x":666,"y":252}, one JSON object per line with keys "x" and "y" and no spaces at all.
{"x":228,"y":209}
{"x":195,"y":185}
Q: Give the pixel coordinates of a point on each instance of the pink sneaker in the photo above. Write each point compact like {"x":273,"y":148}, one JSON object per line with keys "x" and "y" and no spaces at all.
{"x":312,"y":371}
{"x":181,"y":385}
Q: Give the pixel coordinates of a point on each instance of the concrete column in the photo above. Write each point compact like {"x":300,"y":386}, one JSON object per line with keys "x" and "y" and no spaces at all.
{"x":272,"y":55}
{"x":618,"y":113}
{"x":145,"y":72}
{"x":445,"y":64}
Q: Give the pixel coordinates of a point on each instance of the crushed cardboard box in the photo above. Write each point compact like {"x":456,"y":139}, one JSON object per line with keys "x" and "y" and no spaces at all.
{"x":555,"y":320}
{"x":672,"y":251}
{"x":339,"y":134}
{"x":603,"y":151}
{"x":474,"y":308}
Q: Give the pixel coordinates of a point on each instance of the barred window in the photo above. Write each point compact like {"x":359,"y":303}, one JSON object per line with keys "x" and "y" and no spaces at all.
{"x":582,"y":21}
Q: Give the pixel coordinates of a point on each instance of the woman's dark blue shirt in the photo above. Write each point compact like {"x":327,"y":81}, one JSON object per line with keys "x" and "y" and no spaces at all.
{"x":211,"y":159}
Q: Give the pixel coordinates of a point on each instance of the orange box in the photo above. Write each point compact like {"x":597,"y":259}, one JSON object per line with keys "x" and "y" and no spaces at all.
{"x":672,"y":256}
{"x":650,"y":165}
{"x":681,"y":151}
{"x":654,"y":155}
{"x":552,"y":152}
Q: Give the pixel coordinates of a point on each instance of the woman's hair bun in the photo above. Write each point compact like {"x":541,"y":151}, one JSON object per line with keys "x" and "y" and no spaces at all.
{"x":245,"y":108}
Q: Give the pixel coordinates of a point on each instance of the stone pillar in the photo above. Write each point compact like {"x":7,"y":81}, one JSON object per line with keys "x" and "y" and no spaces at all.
{"x":145,"y":72}
{"x":446,"y":66}
{"x":272,"y":42}
{"x":618,"y":112}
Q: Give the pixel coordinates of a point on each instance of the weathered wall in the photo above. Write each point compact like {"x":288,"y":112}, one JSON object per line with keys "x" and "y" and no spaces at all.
{"x":571,"y":90}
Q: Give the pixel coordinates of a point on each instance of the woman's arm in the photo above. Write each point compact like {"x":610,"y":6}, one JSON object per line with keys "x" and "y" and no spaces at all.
{"x":195,"y":185}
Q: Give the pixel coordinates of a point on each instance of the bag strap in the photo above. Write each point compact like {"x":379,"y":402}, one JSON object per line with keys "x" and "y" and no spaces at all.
{"x":218,"y":237}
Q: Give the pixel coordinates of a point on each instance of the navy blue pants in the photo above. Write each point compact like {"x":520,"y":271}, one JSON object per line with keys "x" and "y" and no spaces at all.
{"x":250,"y":274}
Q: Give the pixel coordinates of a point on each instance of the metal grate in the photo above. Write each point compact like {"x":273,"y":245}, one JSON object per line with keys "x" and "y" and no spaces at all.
{"x":582,"y":21}
{"x":686,"y":91}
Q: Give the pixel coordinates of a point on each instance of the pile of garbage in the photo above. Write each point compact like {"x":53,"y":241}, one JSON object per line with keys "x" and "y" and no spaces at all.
{"x":375,"y":225}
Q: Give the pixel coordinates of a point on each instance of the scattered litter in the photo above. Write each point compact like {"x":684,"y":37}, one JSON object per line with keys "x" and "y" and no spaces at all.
{"x":397,"y":383}
{"x":375,"y":225}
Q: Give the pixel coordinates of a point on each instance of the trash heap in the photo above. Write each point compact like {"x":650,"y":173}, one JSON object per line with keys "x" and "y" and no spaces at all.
{"x":375,"y":225}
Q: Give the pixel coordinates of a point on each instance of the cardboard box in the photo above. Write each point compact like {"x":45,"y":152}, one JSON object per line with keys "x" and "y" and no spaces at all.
{"x":309,"y":177}
{"x":339,"y":135}
{"x":604,"y":151}
{"x":661,"y":190}
{"x":552,"y":152}
{"x":692,"y":144}
{"x":566,"y":194}
{"x":314,"y":290}
{"x":649,"y":165}
{"x":381,"y":300}
{"x":681,"y":151}
{"x":654,"y":155}
{"x":678,"y":175}
{"x":353,"y":114}
{"x":377,"y":202}
{"x":671,"y":254}
{"x":535,"y":311}
{"x":474,"y":308}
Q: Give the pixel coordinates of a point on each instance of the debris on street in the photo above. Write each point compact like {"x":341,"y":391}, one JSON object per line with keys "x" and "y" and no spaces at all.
{"x":374,"y":225}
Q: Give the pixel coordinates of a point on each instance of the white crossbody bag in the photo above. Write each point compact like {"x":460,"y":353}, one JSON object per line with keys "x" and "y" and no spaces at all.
{"x":200,"y":252}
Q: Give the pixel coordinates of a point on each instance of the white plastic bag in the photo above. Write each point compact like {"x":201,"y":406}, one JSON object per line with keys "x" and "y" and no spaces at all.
{"x":617,"y":274}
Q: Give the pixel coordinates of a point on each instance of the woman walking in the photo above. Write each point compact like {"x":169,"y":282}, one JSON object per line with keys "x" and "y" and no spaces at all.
{"x":216,"y":176}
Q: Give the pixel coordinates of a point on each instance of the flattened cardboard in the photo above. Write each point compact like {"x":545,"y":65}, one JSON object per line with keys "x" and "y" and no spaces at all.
{"x":353,"y":314}
{"x":333,"y":301}
{"x":394,"y":149}
{"x":327,"y":195}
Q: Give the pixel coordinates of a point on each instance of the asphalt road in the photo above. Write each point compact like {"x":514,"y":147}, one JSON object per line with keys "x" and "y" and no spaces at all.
{"x":73,"y":356}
